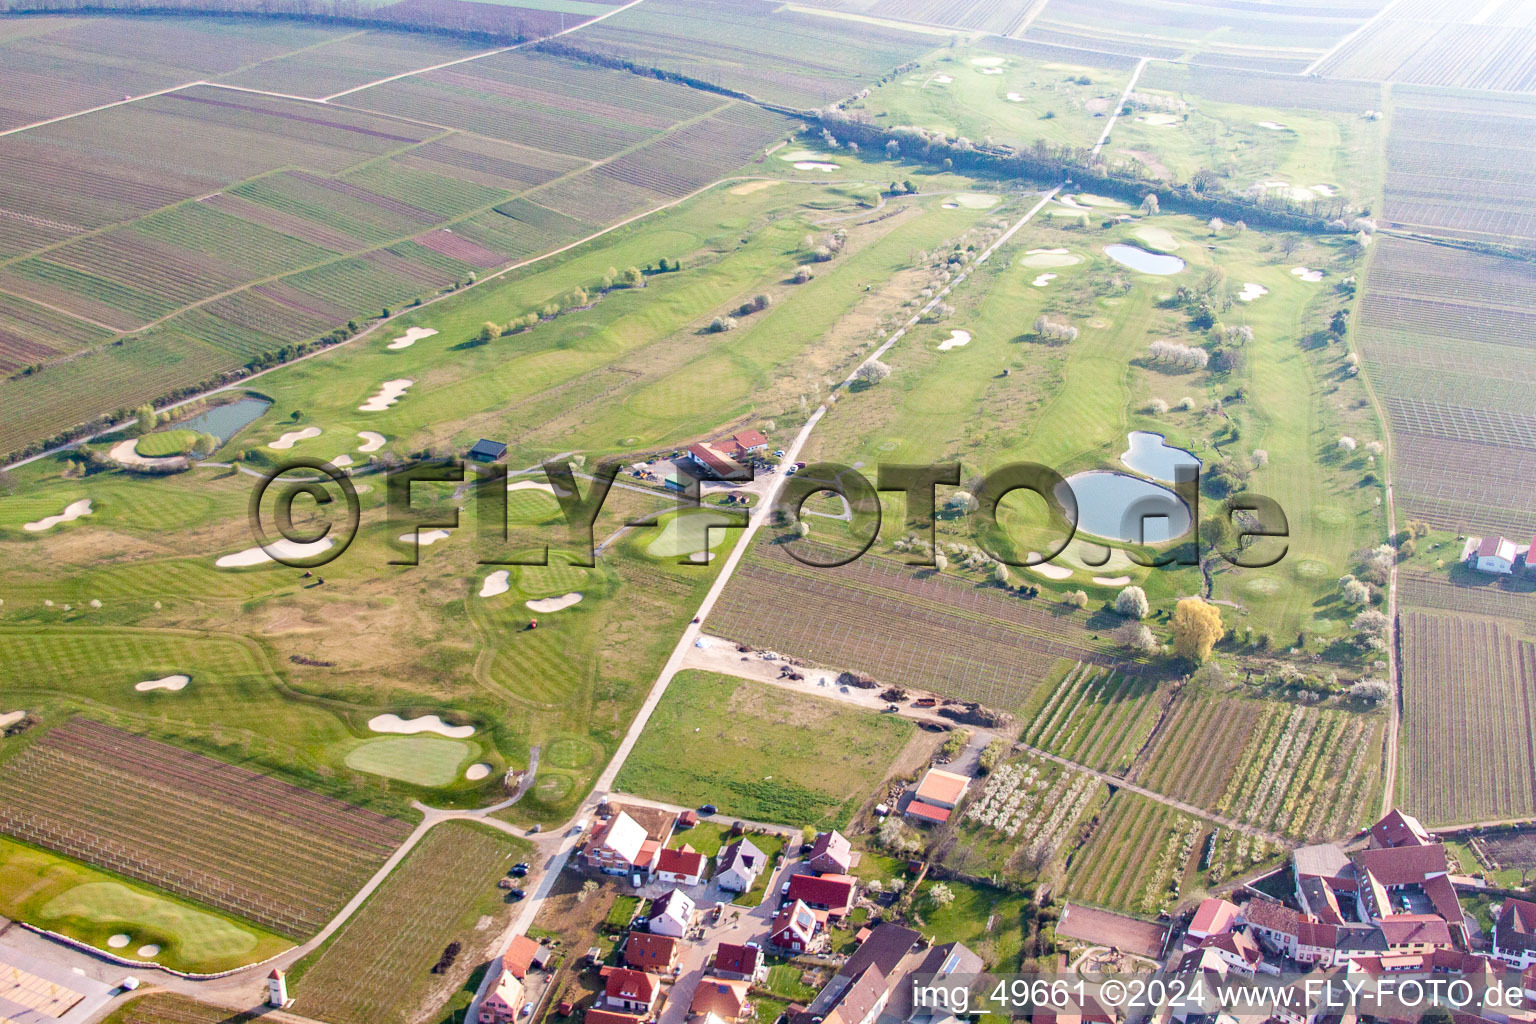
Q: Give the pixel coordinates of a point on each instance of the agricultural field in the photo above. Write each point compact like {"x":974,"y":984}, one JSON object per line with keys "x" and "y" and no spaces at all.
{"x":760,"y":752}
{"x":775,"y":54}
{"x":377,"y":968}
{"x":1455,"y":166}
{"x":1430,"y":317}
{"x":170,"y":1008}
{"x":1025,"y":820}
{"x":1096,"y":717}
{"x":231,"y":839}
{"x":1281,"y":39}
{"x":1429,"y":43}
{"x":1483,"y":712}
{"x":1139,"y":856}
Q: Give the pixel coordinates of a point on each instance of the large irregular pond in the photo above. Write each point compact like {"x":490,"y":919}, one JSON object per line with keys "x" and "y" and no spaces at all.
{"x":1140,"y":259}
{"x":1118,"y":506}
{"x":1151,"y":455}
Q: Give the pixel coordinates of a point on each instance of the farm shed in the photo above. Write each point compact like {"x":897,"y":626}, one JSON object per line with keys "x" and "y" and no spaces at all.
{"x":1104,"y":928}
{"x":486,"y":450}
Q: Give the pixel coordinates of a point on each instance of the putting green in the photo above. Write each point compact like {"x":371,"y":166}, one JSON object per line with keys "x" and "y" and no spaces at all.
{"x":1050,"y":259}
{"x":109,"y":908}
{"x":685,"y":533}
{"x":1157,"y":238}
{"x":973,"y":201}
{"x":423,"y":760}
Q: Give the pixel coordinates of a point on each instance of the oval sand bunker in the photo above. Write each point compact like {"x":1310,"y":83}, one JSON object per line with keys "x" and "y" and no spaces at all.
{"x":119,"y":940}
{"x":476,"y":772}
{"x":372,"y":441}
{"x":148,"y":950}
{"x":496,"y":583}
{"x":411,"y":336}
{"x":955,"y":340}
{"x":74,"y":510}
{"x":173,"y":683}
{"x":546,"y":605}
{"x":426,"y":723}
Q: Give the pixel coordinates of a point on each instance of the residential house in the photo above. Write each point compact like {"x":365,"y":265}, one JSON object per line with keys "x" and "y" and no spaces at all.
{"x":683,"y":866}
{"x":671,"y":914}
{"x":861,"y":1000}
{"x":1275,"y":925}
{"x":1399,"y":829}
{"x":831,"y":893}
{"x":596,"y":1016}
{"x":940,"y":964}
{"x":635,"y":991}
{"x":1514,"y":934}
{"x":795,"y":928}
{"x":742,"y":963}
{"x":647,"y":951}
{"x":502,"y":1003}
{"x":745,"y":442}
{"x":936,"y":796}
{"x":1214,"y":917}
{"x":519,"y":958}
{"x":1495,"y":555}
{"x":621,"y":845}
{"x":738,"y":866}
{"x":830,"y":854}
{"x":726,"y":998}
{"x":1239,"y":950}
{"x":895,"y":952}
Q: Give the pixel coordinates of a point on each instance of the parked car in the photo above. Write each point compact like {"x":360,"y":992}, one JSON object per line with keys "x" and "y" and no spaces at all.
{"x":519,"y":870}
{"x":709,"y":809}
{"x":516,"y":894}
{"x":778,"y":453}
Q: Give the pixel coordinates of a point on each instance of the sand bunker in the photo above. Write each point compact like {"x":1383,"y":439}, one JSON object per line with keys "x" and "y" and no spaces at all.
{"x":1312,"y":276}
{"x":991,"y":71}
{"x":1041,"y":280}
{"x":752,"y":186}
{"x":536,"y":485}
{"x":1157,"y":120}
{"x":974,"y":201}
{"x":1251,"y":290}
{"x":388,"y":394}
{"x":1324,"y":190}
{"x":498,"y":582}
{"x":476,"y":772}
{"x":1274,"y":126}
{"x":950,"y":206}
{"x":987,"y":62}
{"x":126,"y":453}
{"x":801,"y":154}
{"x":119,"y":940}
{"x":172,"y":683}
{"x":702,"y":557}
{"x":293,"y":437}
{"x":342,"y":461}
{"x":426,"y":538}
{"x":1014,"y":97}
{"x":282,"y":548}
{"x":426,"y":723}
{"x":148,"y":950}
{"x":1049,"y":571}
{"x":1157,"y":238}
{"x":955,"y":340}
{"x":372,"y":442}
{"x":74,"y":510}
{"x":411,"y":336}
{"x":554,"y":604}
{"x":814,"y":165}
{"x":1039,"y":258}
{"x":1111,"y":581}
{"x":943,"y":79}
{"x":10,"y":718}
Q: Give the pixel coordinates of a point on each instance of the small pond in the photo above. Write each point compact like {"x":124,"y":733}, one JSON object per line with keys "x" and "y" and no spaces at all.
{"x":225,"y":421}
{"x":1116,"y":505}
{"x":1151,"y":455}
{"x":1142,"y":260}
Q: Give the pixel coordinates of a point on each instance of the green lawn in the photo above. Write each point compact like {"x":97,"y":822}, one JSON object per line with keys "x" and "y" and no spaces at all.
{"x":761,"y":752}
{"x":967,"y":920}
{"x":423,"y":760}
{"x":166,"y":442}
{"x":91,"y":905}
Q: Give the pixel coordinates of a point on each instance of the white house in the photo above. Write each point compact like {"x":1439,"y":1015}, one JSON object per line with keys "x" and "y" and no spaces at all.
{"x":672,"y":914}
{"x":683,"y":866}
{"x":1496,"y":555}
{"x":738,"y":865}
{"x":1514,"y":934}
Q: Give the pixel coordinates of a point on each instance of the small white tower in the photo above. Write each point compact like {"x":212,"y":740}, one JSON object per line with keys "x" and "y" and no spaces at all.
{"x":277,"y":989}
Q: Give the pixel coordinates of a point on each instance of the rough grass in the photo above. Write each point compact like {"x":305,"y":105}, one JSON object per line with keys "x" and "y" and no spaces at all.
{"x":760,"y":752}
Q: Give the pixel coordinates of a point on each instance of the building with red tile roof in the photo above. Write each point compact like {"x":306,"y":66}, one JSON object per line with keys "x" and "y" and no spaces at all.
{"x":1514,"y":934}
{"x":646,"y":951}
{"x":744,"y":963}
{"x":1399,"y":829}
{"x":832,"y":893}
{"x":795,"y":928}
{"x":683,"y":866}
{"x":726,"y":998}
{"x":595,"y":1016}
{"x":636,"y":991}
{"x":519,"y":956}
{"x":1214,"y":917}
{"x":831,"y":853}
